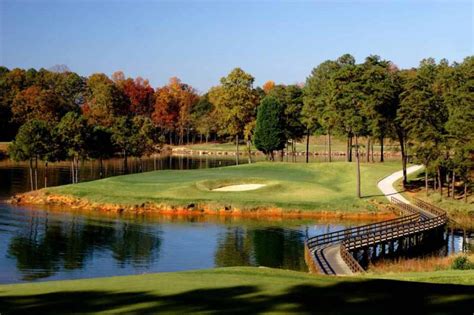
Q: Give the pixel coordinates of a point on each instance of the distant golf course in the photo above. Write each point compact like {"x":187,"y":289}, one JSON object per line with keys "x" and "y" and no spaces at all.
{"x":287,"y":186}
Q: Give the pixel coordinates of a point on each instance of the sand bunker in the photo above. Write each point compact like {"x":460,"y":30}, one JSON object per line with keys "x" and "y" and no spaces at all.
{"x":242,"y":187}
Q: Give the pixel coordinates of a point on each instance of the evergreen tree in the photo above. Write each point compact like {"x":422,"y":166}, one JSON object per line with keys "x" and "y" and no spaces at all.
{"x":269,"y":131}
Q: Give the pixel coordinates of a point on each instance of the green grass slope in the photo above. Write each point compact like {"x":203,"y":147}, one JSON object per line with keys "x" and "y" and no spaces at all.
{"x":246,"y":290}
{"x":315,"y":186}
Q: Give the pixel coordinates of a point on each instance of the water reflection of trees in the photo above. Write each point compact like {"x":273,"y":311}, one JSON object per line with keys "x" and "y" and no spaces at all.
{"x":45,"y":246}
{"x":270,"y":247}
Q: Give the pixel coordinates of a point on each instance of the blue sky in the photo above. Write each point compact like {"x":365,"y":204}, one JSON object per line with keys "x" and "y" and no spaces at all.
{"x":201,"y":41}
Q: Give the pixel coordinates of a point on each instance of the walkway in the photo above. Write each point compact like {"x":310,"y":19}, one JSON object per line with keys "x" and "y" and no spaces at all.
{"x":386,"y":184}
{"x":330,"y":251}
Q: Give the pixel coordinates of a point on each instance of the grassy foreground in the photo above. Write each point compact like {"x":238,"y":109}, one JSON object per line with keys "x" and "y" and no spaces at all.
{"x":244,"y":290}
{"x":314,"y":186}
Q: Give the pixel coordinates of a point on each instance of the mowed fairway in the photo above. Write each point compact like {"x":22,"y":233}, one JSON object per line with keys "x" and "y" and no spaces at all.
{"x":292,"y":186}
{"x":243,"y":290}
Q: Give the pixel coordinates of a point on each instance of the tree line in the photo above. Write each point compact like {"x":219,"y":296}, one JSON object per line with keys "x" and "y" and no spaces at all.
{"x":428,"y":110}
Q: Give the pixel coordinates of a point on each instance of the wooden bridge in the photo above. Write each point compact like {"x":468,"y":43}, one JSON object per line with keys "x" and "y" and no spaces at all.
{"x":334,"y":253}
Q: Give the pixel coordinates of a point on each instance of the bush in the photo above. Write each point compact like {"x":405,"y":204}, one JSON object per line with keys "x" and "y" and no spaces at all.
{"x":462,"y":263}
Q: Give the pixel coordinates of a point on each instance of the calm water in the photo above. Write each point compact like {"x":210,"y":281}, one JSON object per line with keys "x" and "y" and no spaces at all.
{"x":51,"y":244}
{"x":37,"y":244}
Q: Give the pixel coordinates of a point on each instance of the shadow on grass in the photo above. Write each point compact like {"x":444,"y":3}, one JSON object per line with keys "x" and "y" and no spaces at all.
{"x":366,"y":297}
{"x":383,"y":195}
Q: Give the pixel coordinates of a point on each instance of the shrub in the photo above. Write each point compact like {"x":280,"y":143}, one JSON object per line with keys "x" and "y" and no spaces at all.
{"x":462,"y":263}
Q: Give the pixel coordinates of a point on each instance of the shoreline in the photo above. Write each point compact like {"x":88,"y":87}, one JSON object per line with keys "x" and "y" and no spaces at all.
{"x":43,"y":198}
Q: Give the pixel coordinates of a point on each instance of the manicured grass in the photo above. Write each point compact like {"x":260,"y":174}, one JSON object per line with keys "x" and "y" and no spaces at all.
{"x":314,"y":186}
{"x":246,"y":290}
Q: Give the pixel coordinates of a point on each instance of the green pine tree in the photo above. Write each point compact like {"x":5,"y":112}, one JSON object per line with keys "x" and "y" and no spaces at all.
{"x":269,"y":131}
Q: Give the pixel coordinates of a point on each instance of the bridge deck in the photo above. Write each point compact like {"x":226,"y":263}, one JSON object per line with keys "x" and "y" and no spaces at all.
{"x":326,"y":249}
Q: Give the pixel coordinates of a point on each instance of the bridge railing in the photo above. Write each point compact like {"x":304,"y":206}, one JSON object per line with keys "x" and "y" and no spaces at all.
{"x":429,"y":207}
{"x":340,"y":235}
{"x":371,"y":234}
{"x":393,"y":233}
{"x":404,"y":207}
{"x":350,"y":261}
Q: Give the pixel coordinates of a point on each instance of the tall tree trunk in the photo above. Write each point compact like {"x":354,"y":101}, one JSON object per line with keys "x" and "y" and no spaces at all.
{"x":448,"y":186}
{"x":440,"y":183}
{"x":293,"y":150}
{"x":368,"y":150}
{"x":401,"y":139}
{"x":287,"y":151}
{"x":372,"y":151}
{"x":348,"y":152}
{"x":381,"y":149}
{"x":101,"y":168}
{"x":329,"y":145}
{"x":426,"y":179}
{"x":75,"y":169}
{"x":32,"y":185}
{"x":350,"y":149}
{"x":125,"y":162}
{"x":453,"y":184}
{"x":358,"y":166}
{"x":237,"y":149}
{"x":307,"y":146}
{"x":465,"y":191}
{"x":72,"y":171}
{"x":282,"y":155}
{"x":45,"y":174}
{"x":249,"y":148}
{"x":36,"y":173}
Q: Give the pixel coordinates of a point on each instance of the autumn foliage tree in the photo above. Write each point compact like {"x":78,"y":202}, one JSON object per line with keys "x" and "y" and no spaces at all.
{"x":268,"y":86}
{"x":173,"y":105}
{"x":139,"y":93}
{"x":104,"y":101}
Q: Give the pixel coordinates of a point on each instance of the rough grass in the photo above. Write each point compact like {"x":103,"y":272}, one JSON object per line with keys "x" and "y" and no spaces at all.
{"x":246,"y":290}
{"x":420,"y":264}
{"x":314,"y":187}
